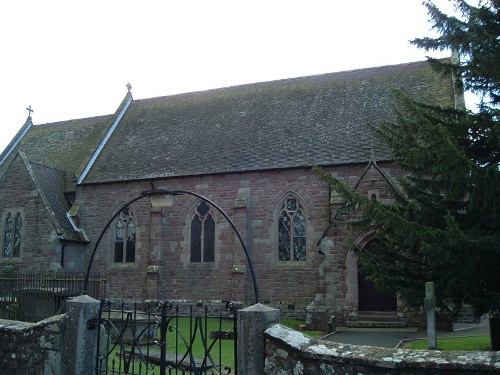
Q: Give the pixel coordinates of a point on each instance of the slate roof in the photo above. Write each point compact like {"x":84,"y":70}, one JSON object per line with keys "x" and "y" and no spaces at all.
{"x":65,"y":145}
{"x":51,"y":185}
{"x":288,"y":123}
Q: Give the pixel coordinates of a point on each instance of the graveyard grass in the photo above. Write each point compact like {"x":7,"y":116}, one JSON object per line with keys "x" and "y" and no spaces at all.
{"x":473,"y":343}
{"x":226,"y":350}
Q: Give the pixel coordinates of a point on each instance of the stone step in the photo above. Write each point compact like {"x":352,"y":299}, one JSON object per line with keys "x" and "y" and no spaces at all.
{"x":378,"y":316}
{"x":376,"y":324}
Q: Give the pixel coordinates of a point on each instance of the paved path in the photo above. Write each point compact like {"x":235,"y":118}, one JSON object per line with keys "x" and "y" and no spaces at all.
{"x":393,"y":337}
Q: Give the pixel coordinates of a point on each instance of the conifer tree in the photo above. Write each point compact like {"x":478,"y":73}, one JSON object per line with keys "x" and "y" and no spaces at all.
{"x":445,"y":228}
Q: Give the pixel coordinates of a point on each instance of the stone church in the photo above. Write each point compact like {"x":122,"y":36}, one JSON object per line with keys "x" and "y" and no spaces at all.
{"x":247,"y":149}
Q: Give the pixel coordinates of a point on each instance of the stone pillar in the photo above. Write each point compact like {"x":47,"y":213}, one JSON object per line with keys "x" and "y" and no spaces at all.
{"x":152,"y":282}
{"x":80,"y":340}
{"x":241,"y":277}
{"x":252,"y":322}
{"x":430,"y":305}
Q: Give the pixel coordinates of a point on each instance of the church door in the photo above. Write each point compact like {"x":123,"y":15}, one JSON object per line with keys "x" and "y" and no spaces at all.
{"x":369,"y":298}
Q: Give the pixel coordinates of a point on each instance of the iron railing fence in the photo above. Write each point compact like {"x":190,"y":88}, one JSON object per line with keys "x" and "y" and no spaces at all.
{"x":159,"y":338}
{"x":31,"y":296}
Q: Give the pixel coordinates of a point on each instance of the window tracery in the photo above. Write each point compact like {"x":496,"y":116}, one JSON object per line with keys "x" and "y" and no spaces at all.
{"x":12,"y":236}
{"x":7,"y":245}
{"x":125,"y":238}
{"x":202,"y":235}
{"x":291,"y":231}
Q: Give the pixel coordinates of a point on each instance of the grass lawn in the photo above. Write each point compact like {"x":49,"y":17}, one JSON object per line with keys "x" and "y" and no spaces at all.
{"x":474,"y":343}
{"x":222,"y":351}
{"x":225,"y":350}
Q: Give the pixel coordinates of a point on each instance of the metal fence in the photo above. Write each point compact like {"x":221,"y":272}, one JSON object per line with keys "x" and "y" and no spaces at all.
{"x":159,"y":339}
{"x":31,"y":296}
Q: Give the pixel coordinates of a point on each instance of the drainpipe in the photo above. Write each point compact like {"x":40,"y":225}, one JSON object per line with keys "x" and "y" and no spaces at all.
{"x":63,"y":246}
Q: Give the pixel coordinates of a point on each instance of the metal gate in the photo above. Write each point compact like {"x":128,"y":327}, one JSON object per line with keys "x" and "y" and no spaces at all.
{"x":160,"y":338}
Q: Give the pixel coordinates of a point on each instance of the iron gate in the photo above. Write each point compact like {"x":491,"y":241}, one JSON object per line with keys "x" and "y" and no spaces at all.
{"x":160,"y":338}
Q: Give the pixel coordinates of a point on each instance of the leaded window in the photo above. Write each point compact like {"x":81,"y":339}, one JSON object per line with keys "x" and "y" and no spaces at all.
{"x":12,"y":236}
{"x":292,"y":231}
{"x":125,"y":238}
{"x":18,"y":223}
{"x":202,"y":235}
{"x":7,"y":245}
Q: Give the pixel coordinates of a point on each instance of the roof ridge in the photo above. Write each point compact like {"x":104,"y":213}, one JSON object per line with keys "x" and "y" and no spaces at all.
{"x":290,"y":79}
{"x":60,"y":122}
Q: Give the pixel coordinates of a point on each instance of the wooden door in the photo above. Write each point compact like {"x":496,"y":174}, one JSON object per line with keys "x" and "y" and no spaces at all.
{"x":369,"y":298}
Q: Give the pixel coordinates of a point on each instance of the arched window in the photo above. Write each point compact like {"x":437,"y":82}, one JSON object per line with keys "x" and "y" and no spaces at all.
{"x":12,"y":236}
{"x":18,"y":223}
{"x":202,"y":235}
{"x":7,"y":245}
{"x":291,"y":231}
{"x":125,"y":231}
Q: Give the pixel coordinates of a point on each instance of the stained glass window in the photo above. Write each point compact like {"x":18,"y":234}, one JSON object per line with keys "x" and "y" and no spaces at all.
{"x":202,"y":235}
{"x":17,"y":235}
{"x":125,"y":231}
{"x":12,"y":236}
{"x":7,"y":245}
{"x":292,"y":232}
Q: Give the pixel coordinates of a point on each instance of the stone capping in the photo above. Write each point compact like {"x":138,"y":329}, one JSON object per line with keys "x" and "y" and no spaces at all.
{"x":288,"y":351}
{"x":18,"y":326}
{"x":31,"y":348}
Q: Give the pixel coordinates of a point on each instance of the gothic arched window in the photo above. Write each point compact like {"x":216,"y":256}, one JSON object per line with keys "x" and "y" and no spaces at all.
{"x":12,"y":236}
{"x":7,"y":245}
{"x":291,"y":231}
{"x":18,"y":223}
{"x":202,"y":235}
{"x":125,"y":231}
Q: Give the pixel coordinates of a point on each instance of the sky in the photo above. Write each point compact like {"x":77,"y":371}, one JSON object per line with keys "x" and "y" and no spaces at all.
{"x":72,"y":59}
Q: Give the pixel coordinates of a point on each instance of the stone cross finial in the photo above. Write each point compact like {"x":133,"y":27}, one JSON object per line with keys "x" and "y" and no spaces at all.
{"x":129,"y":87}
{"x":30,"y":110}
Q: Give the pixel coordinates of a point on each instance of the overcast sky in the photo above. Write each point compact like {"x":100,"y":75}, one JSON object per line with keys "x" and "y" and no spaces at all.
{"x":71,"y":59}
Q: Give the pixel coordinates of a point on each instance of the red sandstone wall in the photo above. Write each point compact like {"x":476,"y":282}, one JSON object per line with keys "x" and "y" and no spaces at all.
{"x":163,"y":238}
{"x":162,"y":268}
{"x":39,"y":245}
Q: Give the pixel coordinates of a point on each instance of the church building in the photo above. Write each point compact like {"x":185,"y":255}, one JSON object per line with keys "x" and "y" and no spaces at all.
{"x":242,"y":212}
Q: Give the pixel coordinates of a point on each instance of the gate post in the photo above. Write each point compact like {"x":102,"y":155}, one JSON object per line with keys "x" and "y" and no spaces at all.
{"x":80,"y":339}
{"x":252,"y":322}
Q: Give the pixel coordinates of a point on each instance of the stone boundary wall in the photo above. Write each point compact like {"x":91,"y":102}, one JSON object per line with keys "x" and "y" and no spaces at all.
{"x":31,"y":348}
{"x":292,"y":352}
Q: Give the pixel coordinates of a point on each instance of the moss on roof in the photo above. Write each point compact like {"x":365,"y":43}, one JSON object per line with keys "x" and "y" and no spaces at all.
{"x":280,"y":124}
{"x":288,"y":123}
{"x":62,"y":145}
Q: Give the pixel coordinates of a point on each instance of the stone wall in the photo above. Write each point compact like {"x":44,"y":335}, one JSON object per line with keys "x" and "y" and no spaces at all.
{"x":163,"y":238}
{"x":291,"y":352}
{"x":18,"y":193}
{"x":162,"y":267}
{"x":252,"y":200}
{"x":31,"y":348}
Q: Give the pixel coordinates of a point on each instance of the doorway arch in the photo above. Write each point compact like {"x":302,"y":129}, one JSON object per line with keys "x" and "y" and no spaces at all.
{"x":369,"y":299}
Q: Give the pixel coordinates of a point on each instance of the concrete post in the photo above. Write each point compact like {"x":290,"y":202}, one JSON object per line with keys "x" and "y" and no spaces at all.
{"x":252,"y":322}
{"x":430,"y":308}
{"x":80,"y":339}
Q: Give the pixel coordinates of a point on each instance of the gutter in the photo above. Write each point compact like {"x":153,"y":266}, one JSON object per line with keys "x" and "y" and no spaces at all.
{"x":76,"y":228}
